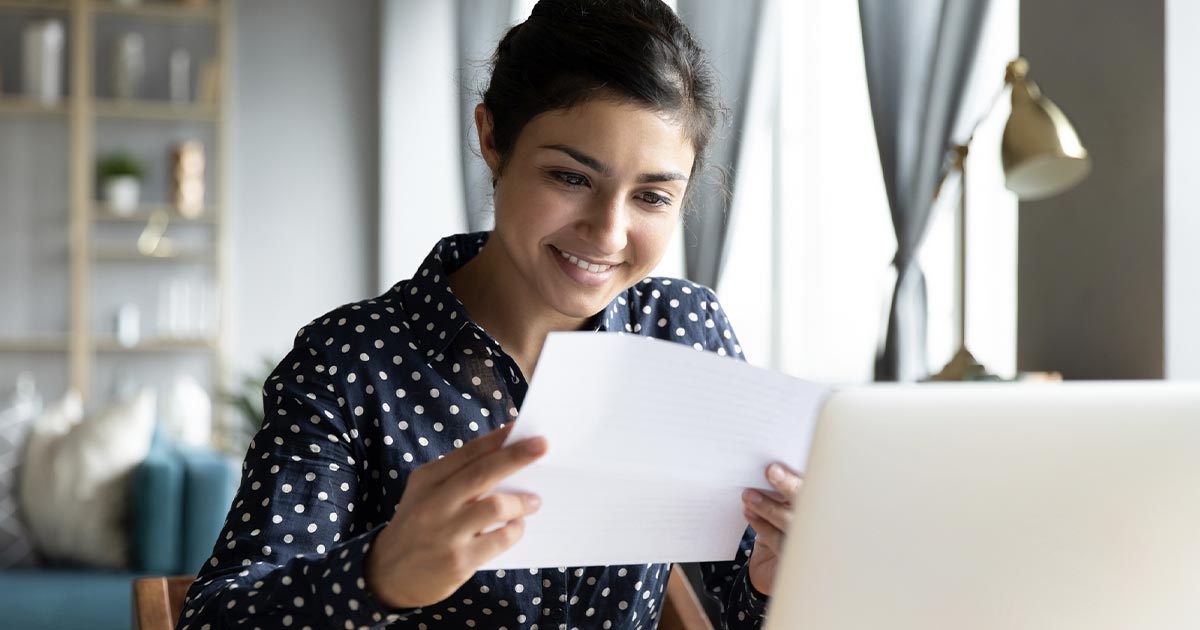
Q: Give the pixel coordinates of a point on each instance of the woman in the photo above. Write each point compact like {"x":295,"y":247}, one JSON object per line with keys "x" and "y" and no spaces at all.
{"x":360,"y":503}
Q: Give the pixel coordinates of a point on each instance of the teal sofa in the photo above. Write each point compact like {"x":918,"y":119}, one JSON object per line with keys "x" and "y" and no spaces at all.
{"x":178,"y":502}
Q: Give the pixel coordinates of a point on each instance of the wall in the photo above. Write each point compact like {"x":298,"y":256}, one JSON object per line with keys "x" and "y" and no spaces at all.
{"x":1182,"y":229}
{"x":1090,"y":262}
{"x":304,"y":177}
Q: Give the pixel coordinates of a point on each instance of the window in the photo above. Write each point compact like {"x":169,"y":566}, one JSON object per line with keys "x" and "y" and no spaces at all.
{"x":828,"y":241}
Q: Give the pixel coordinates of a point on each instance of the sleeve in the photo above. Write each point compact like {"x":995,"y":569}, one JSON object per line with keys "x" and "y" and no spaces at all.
{"x":728,"y":583}
{"x":292,"y":550}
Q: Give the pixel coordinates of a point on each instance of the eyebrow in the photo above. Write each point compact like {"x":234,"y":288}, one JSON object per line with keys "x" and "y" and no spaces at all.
{"x":604,"y":169}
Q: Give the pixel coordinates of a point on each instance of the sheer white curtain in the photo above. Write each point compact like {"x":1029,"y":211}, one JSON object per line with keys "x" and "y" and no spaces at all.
{"x":818,"y":313}
{"x":421,"y":177}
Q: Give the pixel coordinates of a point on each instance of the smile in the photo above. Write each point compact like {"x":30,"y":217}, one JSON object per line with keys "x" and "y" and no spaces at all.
{"x":584,"y":264}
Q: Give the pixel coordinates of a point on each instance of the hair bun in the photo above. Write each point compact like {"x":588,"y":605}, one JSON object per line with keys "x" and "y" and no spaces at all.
{"x":576,"y":9}
{"x":558,"y":9}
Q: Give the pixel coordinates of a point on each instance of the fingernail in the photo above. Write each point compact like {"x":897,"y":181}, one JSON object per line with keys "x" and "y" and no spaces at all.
{"x":775,"y":473}
{"x":533,"y":502}
{"x":753,"y":497}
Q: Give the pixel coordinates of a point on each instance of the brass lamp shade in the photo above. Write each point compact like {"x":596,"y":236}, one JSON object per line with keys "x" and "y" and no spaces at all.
{"x":1040,"y":151}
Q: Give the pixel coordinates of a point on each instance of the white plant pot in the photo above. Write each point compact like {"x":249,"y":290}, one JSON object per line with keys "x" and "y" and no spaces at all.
{"x":121,"y":194}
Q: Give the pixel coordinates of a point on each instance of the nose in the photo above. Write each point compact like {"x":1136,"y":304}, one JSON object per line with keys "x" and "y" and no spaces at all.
{"x":606,"y":224}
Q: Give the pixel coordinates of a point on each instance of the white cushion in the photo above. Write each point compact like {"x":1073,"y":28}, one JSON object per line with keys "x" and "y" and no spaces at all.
{"x":76,"y":476}
{"x":16,"y":543}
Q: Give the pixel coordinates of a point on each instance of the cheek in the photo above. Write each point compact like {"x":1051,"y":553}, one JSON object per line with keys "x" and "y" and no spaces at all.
{"x":532,"y":209}
{"x":653,"y":237}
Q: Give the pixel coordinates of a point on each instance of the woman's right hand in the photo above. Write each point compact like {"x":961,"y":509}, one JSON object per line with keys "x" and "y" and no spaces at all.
{"x":444,"y":527}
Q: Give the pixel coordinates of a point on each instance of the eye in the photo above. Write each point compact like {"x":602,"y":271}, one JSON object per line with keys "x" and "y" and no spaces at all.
{"x":655,"y":199}
{"x":574,"y":180}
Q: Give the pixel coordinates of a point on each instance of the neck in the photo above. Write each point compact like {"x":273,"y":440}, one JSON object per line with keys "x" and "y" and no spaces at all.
{"x":509,"y":310}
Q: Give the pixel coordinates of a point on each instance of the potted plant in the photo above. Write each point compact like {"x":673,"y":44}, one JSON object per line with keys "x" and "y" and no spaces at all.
{"x":121,"y":182}
{"x":245,"y":400}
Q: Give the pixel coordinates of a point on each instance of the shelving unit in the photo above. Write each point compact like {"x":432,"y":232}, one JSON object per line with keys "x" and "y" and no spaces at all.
{"x":148,"y":110}
{"x":10,"y":106}
{"x":142,"y":214}
{"x":34,"y":5}
{"x":208,"y":12}
{"x":158,"y":345}
{"x":34,"y":344}
{"x":86,"y":115}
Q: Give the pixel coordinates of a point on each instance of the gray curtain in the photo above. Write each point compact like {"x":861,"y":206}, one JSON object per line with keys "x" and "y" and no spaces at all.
{"x":919,"y":55}
{"x":728,"y":32}
{"x":481,"y":24}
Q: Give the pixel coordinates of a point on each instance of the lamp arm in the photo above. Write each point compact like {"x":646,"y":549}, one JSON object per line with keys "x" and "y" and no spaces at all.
{"x":961,"y":149}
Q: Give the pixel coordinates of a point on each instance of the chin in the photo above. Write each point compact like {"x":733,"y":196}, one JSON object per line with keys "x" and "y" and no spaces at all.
{"x":582,"y":309}
{"x":584,"y":304}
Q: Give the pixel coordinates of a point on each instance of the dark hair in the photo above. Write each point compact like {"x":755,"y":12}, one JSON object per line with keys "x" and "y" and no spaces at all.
{"x":569,"y":51}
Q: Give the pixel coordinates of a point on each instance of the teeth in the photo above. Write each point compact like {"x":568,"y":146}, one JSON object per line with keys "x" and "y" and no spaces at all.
{"x":583,"y":264}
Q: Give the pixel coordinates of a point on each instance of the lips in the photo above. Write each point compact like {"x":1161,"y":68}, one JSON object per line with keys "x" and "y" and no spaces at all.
{"x":589,"y":273}
{"x":583,"y":263}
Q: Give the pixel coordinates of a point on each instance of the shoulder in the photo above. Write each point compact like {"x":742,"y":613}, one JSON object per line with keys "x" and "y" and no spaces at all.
{"x":681,"y":311}
{"x":368,"y":322}
{"x":671,"y":297}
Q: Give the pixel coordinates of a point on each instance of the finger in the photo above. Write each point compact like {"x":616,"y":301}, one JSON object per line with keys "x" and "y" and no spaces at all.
{"x":766,"y":534}
{"x":775,"y":496}
{"x":775,"y":512}
{"x":497,"y":509}
{"x":489,"y":545}
{"x":480,"y":476}
{"x":439,"y":470}
{"x":784,"y":480}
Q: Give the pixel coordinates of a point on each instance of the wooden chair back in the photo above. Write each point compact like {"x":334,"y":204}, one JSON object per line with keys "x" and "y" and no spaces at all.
{"x":158,"y":602}
{"x":681,"y":608}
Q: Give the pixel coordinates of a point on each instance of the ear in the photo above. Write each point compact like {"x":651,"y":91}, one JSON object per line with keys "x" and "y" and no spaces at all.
{"x":487,"y":138}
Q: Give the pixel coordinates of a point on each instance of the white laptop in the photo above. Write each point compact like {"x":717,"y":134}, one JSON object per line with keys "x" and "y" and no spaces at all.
{"x":1050,"y":506}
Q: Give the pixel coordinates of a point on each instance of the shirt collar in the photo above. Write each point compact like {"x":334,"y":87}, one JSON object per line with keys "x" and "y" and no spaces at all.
{"x":436,"y":316}
{"x":433,"y":313}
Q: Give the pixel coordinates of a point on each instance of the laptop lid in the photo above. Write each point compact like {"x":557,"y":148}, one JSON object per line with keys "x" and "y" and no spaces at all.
{"x":982,"y":506}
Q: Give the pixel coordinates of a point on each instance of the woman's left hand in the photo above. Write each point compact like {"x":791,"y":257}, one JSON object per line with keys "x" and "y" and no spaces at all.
{"x":770,"y":514}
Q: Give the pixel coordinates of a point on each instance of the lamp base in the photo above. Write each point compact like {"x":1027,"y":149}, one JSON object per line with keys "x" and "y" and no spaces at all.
{"x":964,"y":367}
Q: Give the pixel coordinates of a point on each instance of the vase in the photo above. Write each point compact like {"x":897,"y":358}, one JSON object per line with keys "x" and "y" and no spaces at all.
{"x":121,"y":194}
{"x":180,"y":76}
{"x":43,"y":61}
{"x":129,"y":65}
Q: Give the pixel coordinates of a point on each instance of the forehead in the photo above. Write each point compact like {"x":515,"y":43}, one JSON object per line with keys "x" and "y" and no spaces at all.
{"x":627,"y":135}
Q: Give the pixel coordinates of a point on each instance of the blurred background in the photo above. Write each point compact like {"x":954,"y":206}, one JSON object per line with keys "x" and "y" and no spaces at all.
{"x":186,"y":183}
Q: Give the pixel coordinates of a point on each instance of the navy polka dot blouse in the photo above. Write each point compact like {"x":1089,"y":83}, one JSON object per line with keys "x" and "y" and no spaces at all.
{"x":370,"y":392}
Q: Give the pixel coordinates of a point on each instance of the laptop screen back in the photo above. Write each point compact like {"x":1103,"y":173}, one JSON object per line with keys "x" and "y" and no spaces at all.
{"x":986,"y":506}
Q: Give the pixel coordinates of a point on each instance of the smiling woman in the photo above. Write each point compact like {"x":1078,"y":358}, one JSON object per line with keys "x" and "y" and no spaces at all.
{"x":368,"y":496}
{"x":586,"y":202}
